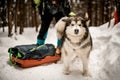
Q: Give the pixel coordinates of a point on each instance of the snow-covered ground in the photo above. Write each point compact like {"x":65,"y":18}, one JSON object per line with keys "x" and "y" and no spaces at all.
{"x":104,"y":61}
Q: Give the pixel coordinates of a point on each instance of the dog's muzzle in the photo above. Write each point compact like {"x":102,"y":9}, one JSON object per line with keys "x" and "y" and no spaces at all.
{"x":76,"y":31}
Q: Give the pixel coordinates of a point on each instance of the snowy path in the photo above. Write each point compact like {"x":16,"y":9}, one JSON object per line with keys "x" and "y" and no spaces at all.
{"x":104,"y":59}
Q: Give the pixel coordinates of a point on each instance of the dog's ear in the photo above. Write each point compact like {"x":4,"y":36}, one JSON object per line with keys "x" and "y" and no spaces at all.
{"x":87,"y":19}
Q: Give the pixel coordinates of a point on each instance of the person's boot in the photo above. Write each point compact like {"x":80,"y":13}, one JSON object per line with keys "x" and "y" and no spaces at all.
{"x":41,"y":41}
{"x":59,"y":43}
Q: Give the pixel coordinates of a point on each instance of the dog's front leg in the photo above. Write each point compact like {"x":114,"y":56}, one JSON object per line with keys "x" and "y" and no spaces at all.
{"x":66,"y":66}
{"x":66,"y":62}
{"x":85,"y":66}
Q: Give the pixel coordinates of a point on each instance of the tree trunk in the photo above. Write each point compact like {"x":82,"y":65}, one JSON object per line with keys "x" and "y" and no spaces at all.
{"x":102,"y":9}
{"x":118,"y":10}
{"x":16,"y":15}
{"x":106,"y":11}
{"x":3,"y":14}
{"x":89,"y":11}
{"x":9,"y":17}
{"x":36,"y":21}
{"x":21,"y":16}
{"x":96,"y":10}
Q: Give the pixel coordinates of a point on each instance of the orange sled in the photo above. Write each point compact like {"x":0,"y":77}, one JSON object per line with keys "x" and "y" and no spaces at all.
{"x":31,"y":62}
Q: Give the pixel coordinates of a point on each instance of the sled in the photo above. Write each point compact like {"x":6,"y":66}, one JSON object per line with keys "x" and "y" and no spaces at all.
{"x":31,"y":62}
{"x":33,"y":55}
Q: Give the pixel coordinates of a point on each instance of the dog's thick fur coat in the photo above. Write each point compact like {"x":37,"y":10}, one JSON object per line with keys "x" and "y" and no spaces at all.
{"x":77,"y":42}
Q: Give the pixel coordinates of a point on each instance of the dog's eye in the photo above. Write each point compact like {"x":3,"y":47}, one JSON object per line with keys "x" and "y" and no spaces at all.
{"x":72,"y":24}
{"x":79,"y":24}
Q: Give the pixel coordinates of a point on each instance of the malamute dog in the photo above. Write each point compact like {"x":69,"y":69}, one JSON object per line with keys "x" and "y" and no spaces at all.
{"x":77,"y":42}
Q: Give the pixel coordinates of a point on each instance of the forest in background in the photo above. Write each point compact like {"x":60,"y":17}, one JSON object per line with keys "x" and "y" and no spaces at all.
{"x":20,"y":13}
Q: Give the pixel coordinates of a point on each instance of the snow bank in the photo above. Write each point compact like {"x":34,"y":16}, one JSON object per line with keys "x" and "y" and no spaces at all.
{"x":104,"y":59}
{"x":106,"y":52}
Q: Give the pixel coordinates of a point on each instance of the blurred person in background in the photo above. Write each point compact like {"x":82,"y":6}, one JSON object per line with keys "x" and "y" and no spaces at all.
{"x":49,"y":9}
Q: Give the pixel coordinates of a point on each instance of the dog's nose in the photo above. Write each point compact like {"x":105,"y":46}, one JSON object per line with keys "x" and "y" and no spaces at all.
{"x":76,"y":31}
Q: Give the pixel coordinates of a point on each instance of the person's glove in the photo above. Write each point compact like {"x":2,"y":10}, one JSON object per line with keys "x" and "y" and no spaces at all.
{"x":37,"y":2}
{"x":71,"y":14}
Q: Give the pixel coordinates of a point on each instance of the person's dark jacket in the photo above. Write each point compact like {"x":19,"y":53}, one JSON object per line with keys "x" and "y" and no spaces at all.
{"x":46,"y":6}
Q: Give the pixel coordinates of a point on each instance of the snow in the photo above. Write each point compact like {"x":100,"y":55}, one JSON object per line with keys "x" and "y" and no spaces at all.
{"x":104,"y":61}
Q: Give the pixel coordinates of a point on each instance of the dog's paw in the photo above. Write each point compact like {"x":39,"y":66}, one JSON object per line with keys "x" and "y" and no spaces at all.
{"x":59,"y":62}
{"x":87,"y":74}
{"x":67,"y":72}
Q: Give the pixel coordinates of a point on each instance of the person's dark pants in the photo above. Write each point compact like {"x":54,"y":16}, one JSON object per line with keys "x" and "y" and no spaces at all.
{"x":46,"y":20}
